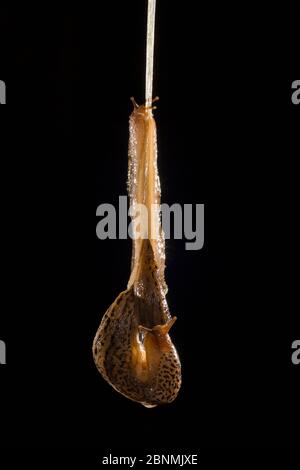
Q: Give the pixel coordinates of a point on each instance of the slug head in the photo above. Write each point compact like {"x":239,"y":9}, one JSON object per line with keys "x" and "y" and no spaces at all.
{"x":139,"y":362}
{"x":148,"y":348}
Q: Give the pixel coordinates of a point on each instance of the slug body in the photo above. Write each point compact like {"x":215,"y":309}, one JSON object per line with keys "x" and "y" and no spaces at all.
{"x":132,"y":348}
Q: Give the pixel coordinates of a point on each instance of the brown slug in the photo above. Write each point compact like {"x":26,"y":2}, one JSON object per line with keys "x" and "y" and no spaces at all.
{"x":132,"y":348}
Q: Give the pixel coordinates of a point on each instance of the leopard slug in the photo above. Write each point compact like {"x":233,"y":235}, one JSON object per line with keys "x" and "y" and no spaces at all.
{"x":132,"y":348}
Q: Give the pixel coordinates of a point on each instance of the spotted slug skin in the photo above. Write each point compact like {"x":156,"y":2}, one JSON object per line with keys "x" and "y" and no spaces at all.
{"x":132,"y":348}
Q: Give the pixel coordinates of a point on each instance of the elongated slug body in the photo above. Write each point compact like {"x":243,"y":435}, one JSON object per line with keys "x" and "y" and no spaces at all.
{"x":132,"y":348}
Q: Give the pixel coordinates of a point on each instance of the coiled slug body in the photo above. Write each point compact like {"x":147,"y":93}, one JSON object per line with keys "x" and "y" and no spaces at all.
{"x":132,"y":348}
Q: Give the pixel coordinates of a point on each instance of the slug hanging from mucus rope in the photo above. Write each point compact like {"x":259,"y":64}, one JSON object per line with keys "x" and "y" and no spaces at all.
{"x":132,"y":348}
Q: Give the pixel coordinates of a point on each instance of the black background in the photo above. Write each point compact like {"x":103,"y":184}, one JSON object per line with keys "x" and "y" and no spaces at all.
{"x":228,"y":137}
